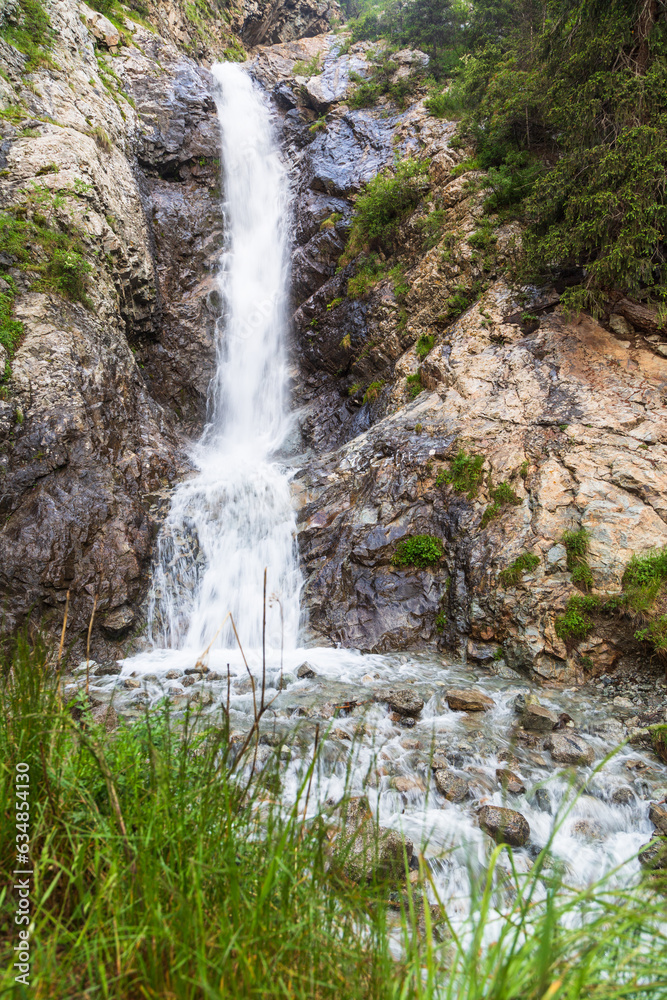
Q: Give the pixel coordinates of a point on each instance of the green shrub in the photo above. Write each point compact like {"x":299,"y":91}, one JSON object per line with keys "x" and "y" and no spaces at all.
{"x":644,"y":578}
{"x":424,"y":345}
{"x":420,"y":550}
{"x":29,"y":30}
{"x":333,"y":304}
{"x":310,"y":68}
{"x":414,"y":384}
{"x":370,"y":271}
{"x":381,"y":207}
{"x":524,"y":563}
{"x":330,"y":222}
{"x":68,"y":272}
{"x":575,"y":624}
{"x":56,"y":257}
{"x":582,"y":575}
{"x":464,"y":474}
{"x":11,"y":330}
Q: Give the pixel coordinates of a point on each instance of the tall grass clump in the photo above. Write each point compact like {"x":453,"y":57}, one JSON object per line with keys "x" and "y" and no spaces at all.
{"x":167,"y":864}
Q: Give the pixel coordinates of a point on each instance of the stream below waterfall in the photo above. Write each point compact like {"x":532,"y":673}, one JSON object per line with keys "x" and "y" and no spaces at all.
{"x":233,"y":518}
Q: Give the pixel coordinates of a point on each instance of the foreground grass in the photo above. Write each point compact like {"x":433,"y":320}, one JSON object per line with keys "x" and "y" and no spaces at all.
{"x":162,"y":870}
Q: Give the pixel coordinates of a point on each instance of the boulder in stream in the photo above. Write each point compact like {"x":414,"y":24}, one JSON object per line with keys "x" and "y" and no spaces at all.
{"x":510,"y":781}
{"x":454,"y":789}
{"x":539,"y":718}
{"x":305,"y":671}
{"x":468,"y":700}
{"x":403,"y":702}
{"x":658,"y":815}
{"x":506,"y":826}
{"x":654,"y":854}
{"x":569,"y":749}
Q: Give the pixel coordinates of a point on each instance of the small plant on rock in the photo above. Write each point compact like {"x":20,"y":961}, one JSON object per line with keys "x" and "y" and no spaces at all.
{"x":524,"y":563}
{"x":419,"y":550}
{"x":503,"y":496}
{"x":576,"y":547}
{"x":373,"y":391}
{"x":414,"y":384}
{"x":464,"y":474}
{"x":424,"y":345}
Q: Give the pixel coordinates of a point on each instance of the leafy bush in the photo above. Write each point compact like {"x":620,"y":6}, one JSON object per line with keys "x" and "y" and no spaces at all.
{"x":464,"y":474}
{"x":56,"y":257}
{"x":420,"y":550}
{"x":28,"y":28}
{"x":575,"y":624}
{"x":524,"y":563}
{"x":431,"y":227}
{"x":370,"y":271}
{"x":643,"y":579}
{"x":11,"y":330}
{"x":310,"y":68}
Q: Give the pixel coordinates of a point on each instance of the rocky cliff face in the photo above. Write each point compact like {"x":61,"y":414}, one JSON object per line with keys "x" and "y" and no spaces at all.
{"x":566,"y":416}
{"x":111,"y":143}
{"x":117,"y":141}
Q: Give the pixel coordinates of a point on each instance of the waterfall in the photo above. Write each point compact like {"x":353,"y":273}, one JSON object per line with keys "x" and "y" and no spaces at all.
{"x":234,"y":518}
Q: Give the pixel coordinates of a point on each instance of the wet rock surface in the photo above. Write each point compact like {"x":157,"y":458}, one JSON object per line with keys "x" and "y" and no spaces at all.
{"x":569,"y":749}
{"x":460,"y":700}
{"x":506,"y":826}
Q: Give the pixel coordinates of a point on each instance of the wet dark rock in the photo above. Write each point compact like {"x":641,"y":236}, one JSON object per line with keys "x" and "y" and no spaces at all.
{"x":404,"y":701}
{"x":454,"y":789}
{"x":510,"y":781}
{"x":506,"y":826}
{"x":658,"y":815}
{"x":285,"y":20}
{"x":305,"y":671}
{"x":172,"y":675}
{"x":131,"y":684}
{"x":569,"y":749}
{"x":468,"y":700}
{"x":624,"y":796}
{"x":538,"y":718}
{"x":188,"y":681}
{"x":378,"y":858}
{"x":108,"y":670}
{"x":654,"y":855}
{"x":542,"y":798}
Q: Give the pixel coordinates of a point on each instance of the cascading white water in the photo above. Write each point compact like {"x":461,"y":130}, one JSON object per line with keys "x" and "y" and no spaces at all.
{"x":235,"y":518}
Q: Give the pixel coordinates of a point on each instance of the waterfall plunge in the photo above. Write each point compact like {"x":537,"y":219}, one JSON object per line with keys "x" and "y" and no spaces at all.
{"x":234,"y":518}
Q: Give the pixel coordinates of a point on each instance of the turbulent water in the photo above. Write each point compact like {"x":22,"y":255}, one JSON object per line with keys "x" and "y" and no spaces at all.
{"x":234,"y":519}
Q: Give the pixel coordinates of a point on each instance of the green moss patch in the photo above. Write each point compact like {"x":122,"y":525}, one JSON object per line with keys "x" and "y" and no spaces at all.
{"x":464,"y":474}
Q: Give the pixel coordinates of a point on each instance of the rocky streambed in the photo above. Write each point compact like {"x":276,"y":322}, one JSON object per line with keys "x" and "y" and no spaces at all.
{"x":452,"y":758}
